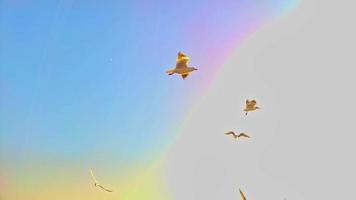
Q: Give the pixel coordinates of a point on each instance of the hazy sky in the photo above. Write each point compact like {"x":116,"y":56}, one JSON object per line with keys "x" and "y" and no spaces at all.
{"x":82,"y":85}
{"x":300,"y":68}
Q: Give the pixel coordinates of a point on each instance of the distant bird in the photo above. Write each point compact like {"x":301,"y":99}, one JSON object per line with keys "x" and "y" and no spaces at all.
{"x":181,"y":66}
{"x":251,"y":106}
{"x":237,"y":136}
{"x":96,"y":184}
{"x":242,"y":195}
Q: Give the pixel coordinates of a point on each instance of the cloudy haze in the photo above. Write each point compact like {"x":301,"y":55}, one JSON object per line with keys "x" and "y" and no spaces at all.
{"x":300,"y":69}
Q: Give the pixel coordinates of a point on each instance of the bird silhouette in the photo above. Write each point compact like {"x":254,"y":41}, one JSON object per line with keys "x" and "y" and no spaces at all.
{"x":237,"y":136}
{"x":251,"y":106}
{"x":182,"y":66}
{"x":96,"y":184}
{"x":242,"y":195}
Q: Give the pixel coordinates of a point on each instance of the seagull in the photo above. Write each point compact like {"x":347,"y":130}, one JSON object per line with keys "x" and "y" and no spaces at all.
{"x":96,"y":184}
{"x":181,"y":66}
{"x":237,"y":136}
{"x":251,"y":106}
{"x":242,"y":195}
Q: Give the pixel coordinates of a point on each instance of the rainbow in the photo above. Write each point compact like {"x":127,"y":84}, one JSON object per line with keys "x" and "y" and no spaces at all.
{"x":90,"y":90}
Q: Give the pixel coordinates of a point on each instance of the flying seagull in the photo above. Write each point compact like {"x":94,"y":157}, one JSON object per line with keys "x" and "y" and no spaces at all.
{"x":96,"y":184}
{"x":181,"y":66}
{"x":242,"y":195}
{"x":251,"y":106}
{"x":237,"y":136}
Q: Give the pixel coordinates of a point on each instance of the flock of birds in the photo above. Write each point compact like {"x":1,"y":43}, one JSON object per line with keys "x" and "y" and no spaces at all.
{"x":184,"y":70}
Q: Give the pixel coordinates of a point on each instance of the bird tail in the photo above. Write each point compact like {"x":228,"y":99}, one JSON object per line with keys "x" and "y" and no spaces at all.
{"x":170,"y":72}
{"x":184,"y":76}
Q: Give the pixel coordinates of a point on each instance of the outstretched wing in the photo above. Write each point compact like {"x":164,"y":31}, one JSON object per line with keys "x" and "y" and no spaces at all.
{"x":93,"y":177}
{"x":244,"y":135}
{"x":242,"y":195}
{"x":104,"y":188}
{"x":230,"y":133}
{"x":96,"y":182}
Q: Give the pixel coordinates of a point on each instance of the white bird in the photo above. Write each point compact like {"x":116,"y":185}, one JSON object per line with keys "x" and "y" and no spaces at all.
{"x":96,"y":184}
{"x":181,"y":66}
{"x":237,"y":136}
{"x":242,"y":195}
{"x":251,"y":106}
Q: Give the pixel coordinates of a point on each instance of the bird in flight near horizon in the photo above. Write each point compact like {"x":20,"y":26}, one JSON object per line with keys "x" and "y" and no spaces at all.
{"x":181,"y":66}
{"x":251,"y":106}
{"x":96,"y":184}
{"x":242,"y":195}
{"x":237,"y":136}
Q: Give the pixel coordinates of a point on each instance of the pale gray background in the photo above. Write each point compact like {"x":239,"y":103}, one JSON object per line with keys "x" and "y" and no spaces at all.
{"x":301,"y":69}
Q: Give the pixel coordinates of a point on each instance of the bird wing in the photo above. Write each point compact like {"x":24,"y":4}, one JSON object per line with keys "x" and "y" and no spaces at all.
{"x":102,"y":187}
{"x":242,"y":195}
{"x":230,"y":133}
{"x":251,"y":104}
{"x":182,"y":60}
{"x":244,"y":135}
{"x":93,"y":177}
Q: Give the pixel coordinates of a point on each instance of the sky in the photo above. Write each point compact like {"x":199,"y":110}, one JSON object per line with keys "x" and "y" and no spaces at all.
{"x":300,"y":69}
{"x":83,"y":86}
